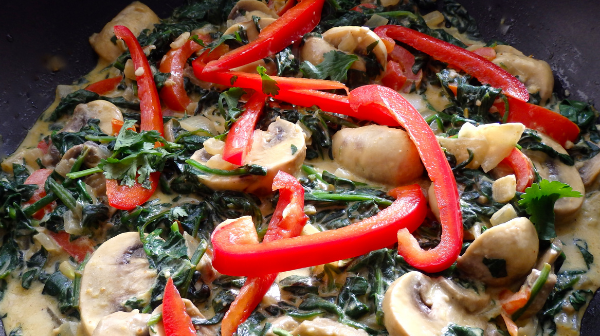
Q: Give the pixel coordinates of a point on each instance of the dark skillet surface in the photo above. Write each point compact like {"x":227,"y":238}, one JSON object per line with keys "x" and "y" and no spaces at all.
{"x":563,"y":33}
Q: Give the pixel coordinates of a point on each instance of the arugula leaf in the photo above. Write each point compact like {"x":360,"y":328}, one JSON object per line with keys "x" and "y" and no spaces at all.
{"x":497,"y":267}
{"x":335,"y":66}
{"x":458,"y":330}
{"x":539,"y":199}
{"x":585,"y":253}
{"x":269,"y":85}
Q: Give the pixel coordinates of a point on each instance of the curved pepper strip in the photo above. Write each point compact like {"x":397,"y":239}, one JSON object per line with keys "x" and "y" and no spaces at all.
{"x":254,"y":81}
{"x":288,"y":28}
{"x":551,"y":123}
{"x":239,"y":138}
{"x":375,"y":98}
{"x":173,"y":92}
{"x":123,"y":197}
{"x":522,"y":167}
{"x":175,"y":319}
{"x":330,"y":102}
{"x":473,"y":64}
{"x":105,"y":86}
{"x":236,"y":251}
{"x":287,"y":222}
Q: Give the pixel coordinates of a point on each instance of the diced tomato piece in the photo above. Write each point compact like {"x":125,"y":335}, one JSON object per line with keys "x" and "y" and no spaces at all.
{"x":405,"y":60}
{"x":77,"y":248}
{"x":394,"y":76}
{"x":44,"y":146}
{"x":105,"y":86}
{"x":39,"y":178}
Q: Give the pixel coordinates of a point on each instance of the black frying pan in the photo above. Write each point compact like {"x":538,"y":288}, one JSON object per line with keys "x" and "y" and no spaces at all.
{"x":564,"y":33}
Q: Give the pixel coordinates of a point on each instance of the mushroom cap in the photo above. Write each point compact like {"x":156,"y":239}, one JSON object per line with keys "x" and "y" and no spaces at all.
{"x":358,"y":39}
{"x":516,"y":242}
{"x":417,"y":305}
{"x":117,"y":271}
{"x":273,"y":149}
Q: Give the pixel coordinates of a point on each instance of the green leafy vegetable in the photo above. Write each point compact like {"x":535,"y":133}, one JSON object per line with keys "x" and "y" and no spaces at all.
{"x":10,"y":258}
{"x":243,"y":170}
{"x":299,"y":285}
{"x":585,"y":253}
{"x":35,"y":265}
{"x":69,"y":102}
{"x":335,"y":66}
{"x":539,"y":199}
{"x":458,"y":17}
{"x":287,"y":63}
{"x":582,"y":114}
{"x":497,"y":267}
{"x":269,"y":85}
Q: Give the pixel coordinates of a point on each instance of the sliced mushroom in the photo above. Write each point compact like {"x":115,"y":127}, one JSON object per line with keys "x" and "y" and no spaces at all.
{"x":417,"y":305}
{"x":357,"y":40}
{"x":123,"y":324}
{"x":117,"y":271}
{"x":250,"y":27}
{"x":159,"y":330}
{"x":469,"y":299}
{"x":377,"y":153}
{"x":554,"y":170}
{"x":590,"y":171}
{"x":281,"y":147}
{"x":136,"y":17}
{"x":535,"y":74}
{"x":502,"y":254}
{"x":542,"y":295}
{"x":98,"y":109}
{"x":285,"y":322}
{"x":349,"y":39}
{"x":249,"y":8}
{"x":324,"y":326}
{"x":92,"y":159}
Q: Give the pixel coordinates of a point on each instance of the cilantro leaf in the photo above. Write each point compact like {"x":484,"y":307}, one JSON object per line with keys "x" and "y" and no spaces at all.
{"x":335,"y":66}
{"x":539,"y":199}
{"x":269,"y":85}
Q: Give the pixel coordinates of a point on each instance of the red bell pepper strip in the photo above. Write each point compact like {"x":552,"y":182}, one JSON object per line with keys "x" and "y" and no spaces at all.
{"x":104,"y":86}
{"x":379,"y":99}
{"x":236,"y":251}
{"x":175,"y":319}
{"x":553,"y":124}
{"x":522,"y":167}
{"x":39,"y":178}
{"x":77,"y":248}
{"x":254,"y":81}
{"x":173,"y":92}
{"x":239,"y":138}
{"x":151,"y":112}
{"x":288,"y":28}
{"x":287,"y":222}
{"x":473,"y":64}
{"x":124,"y":197}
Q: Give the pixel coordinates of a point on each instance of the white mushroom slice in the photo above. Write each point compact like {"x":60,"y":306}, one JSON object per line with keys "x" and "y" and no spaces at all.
{"x":159,"y":330}
{"x":514,"y":243}
{"x":469,"y":299}
{"x":98,"y":109}
{"x":356,"y":40}
{"x":281,"y":147}
{"x":285,"y":322}
{"x":326,"y":327}
{"x":417,"y":305}
{"x":136,"y":17}
{"x":116,"y":272}
{"x":249,"y":27}
{"x":535,"y":74}
{"x":554,"y":170}
{"x":313,"y":50}
{"x":247,"y":8}
{"x":123,"y":324}
{"x":377,"y":153}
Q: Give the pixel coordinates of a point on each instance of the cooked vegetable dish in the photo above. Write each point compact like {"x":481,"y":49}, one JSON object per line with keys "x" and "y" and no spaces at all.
{"x":303,"y":169}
